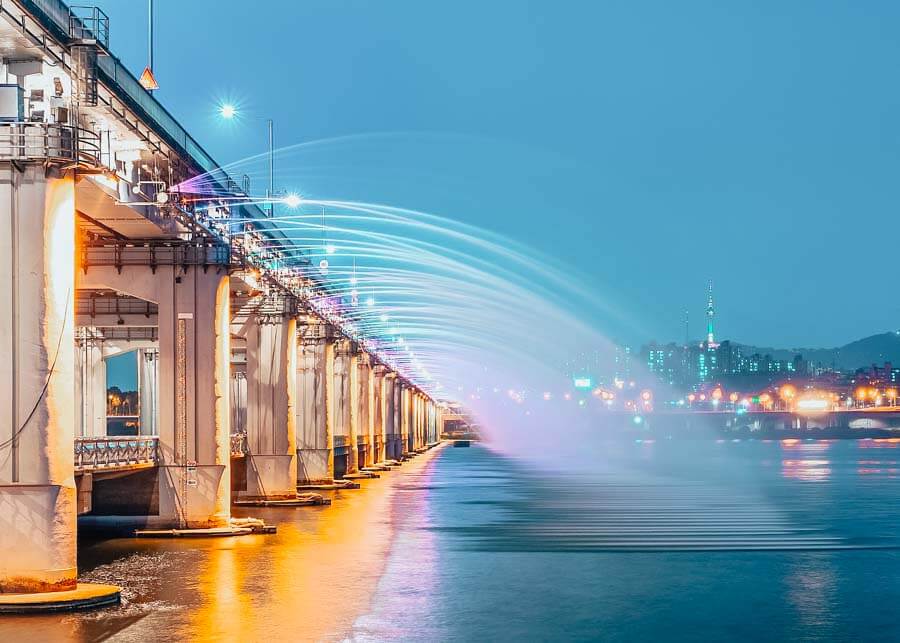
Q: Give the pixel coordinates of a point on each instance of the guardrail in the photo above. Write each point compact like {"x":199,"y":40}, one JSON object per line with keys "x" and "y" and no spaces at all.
{"x":89,"y":23}
{"x":115,"y":452}
{"x":36,"y":141}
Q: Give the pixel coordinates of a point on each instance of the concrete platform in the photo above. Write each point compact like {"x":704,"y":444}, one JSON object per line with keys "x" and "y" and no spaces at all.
{"x":84,"y":596}
{"x":329,"y":486}
{"x":364,"y":475}
{"x":255,"y":525}
{"x":212,"y":532}
{"x":305,"y":500}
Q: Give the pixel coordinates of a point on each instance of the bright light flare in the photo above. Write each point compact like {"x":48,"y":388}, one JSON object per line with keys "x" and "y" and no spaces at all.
{"x":812,"y":404}
{"x":227,"y":111}
{"x":292,"y":200}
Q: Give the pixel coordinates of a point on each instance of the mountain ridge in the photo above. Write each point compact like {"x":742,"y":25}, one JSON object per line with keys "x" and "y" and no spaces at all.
{"x":861,"y":353}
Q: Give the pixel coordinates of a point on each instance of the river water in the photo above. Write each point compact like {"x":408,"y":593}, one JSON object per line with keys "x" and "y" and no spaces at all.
{"x":665,"y":540}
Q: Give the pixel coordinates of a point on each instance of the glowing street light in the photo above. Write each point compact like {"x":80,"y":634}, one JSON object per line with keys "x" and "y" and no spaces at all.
{"x":227,"y":110}
{"x":292,"y":200}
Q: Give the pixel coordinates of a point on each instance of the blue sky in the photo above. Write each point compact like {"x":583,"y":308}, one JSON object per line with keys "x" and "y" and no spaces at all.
{"x":651,"y":145}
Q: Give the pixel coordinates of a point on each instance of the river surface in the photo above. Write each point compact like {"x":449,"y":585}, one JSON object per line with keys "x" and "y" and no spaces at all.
{"x":664,"y":541}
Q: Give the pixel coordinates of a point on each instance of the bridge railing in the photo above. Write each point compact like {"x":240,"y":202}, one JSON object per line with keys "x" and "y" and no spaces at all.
{"x":37,"y":141}
{"x":115,"y":452}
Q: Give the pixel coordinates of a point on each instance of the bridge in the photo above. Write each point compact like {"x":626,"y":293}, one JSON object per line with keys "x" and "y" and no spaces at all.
{"x":253,"y":377}
{"x":868,"y":422}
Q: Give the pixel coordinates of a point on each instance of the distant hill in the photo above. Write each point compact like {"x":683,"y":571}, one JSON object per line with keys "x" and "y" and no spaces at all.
{"x":875,"y":349}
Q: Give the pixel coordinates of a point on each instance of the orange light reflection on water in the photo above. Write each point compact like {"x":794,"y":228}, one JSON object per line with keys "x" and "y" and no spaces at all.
{"x":806,"y":463}
{"x":312,"y":579}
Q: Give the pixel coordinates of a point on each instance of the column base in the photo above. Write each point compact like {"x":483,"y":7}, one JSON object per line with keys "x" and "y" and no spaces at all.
{"x":211,"y":532}
{"x":304,"y":500}
{"x":314,"y":466}
{"x":327,"y":485}
{"x":269,"y":477}
{"x":84,"y":596}
{"x":360,"y":475}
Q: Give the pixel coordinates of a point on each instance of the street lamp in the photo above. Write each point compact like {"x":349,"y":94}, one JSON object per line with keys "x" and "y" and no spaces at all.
{"x":292,"y":200}
{"x":229,"y":111}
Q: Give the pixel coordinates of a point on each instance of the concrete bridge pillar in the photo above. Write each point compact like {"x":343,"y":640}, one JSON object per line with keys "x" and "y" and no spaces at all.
{"x":420,"y":420}
{"x":37,"y":402}
{"x":401,"y":399}
{"x":344,"y":407}
{"x":379,"y":413}
{"x":364,"y":414}
{"x":415,"y":420}
{"x":271,"y":375}
{"x":438,"y":422}
{"x":314,"y":420}
{"x":90,"y":388}
{"x":390,"y":415}
{"x":406,"y":423}
{"x":194,"y":391}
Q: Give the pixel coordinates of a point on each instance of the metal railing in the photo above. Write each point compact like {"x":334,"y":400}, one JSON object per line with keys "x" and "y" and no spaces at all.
{"x":115,"y":452}
{"x":35,"y":141}
{"x":239,"y":445}
{"x":89,"y":23}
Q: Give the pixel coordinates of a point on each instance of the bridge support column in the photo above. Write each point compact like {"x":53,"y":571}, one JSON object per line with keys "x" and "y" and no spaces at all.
{"x":414,"y":400}
{"x":343,"y":408}
{"x":420,"y":420}
{"x":390,"y":416}
{"x":37,"y":402}
{"x":397,"y":417}
{"x":437,"y":422}
{"x":379,"y":413}
{"x":271,"y":387}
{"x":406,"y":417}
{"x":364,"y":415}
{"x":428,"y":413}
{"x":315,"y":382}
{"x":194,"y":391}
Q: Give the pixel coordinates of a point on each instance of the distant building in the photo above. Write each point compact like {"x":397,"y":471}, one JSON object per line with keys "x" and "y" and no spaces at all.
{"x":622,"y":365}
{"x":693,"y":365}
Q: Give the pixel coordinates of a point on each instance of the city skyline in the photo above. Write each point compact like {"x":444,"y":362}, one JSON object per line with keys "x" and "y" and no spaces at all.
{"x":711,"y":328}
